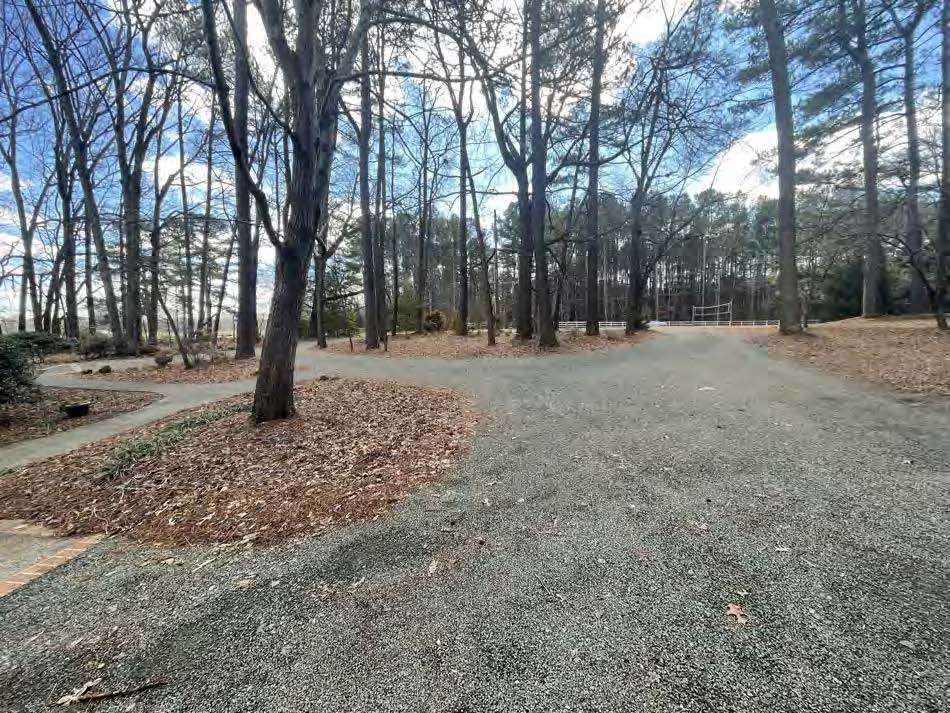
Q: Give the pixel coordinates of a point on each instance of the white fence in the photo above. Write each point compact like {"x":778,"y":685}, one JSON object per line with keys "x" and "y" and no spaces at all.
{"x":683,"y":323}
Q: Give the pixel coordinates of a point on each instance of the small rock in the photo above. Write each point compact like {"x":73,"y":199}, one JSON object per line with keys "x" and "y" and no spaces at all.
{"x":105,"y":369}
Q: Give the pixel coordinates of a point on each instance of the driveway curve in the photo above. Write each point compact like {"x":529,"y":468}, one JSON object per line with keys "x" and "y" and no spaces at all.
{"x":582,"y":558}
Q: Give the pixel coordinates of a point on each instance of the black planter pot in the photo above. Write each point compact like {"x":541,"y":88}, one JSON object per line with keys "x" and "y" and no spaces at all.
{"x":76,"y":410}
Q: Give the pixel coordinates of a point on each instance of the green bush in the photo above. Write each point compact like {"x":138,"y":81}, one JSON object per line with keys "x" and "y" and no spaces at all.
{"x":434,"y":321}
{"x":39,"y":344}
{"x":17,"y":372}
{"x":96,"y":346}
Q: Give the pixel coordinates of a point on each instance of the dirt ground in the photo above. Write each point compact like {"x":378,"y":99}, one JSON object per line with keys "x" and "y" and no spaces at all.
{"x":217,"y":372}
{"x":21,"y":422}
{"x":445,"y":345}
{"x":904,"y":354}
{"x":354,"y":448}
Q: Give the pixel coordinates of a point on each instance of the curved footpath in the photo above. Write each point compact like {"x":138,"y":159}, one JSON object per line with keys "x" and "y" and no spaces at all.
{"x":580,"y":559}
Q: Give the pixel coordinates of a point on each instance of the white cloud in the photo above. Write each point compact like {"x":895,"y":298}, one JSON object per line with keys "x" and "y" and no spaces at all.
{"x":744,"y":167}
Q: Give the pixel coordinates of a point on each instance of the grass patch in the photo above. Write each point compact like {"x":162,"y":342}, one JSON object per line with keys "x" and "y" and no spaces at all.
{"x":121,"y":458}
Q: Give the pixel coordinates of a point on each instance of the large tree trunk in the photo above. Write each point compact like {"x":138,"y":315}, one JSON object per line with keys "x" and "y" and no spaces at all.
{"x":379,"y":246}
{"x":593,"y":188}
{"x":395,"y":239}
{"x":546,"y":334}
{"x":273,"y":396}
{"x":461,"y":300}
{"x":943,"y":228}
{"x":789,"y":314}
{"x":246,"y":337}
{"x":370,"y":303}
{"x":638,"y":279}
{"x":873,"y":297}
{"x":918,"y":290}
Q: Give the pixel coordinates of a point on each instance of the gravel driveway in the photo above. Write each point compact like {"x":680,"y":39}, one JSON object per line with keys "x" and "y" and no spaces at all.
{"x":582,"y":559}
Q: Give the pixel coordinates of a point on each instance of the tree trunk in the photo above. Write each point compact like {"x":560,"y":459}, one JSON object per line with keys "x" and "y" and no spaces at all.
{"x":483,"y":263}
{"x":593,"y":188}
{"x":918,"y":290}
{"x":317,"y":328}
{"x":204,"y":285}
{"x":421,"y":262}
{"x":370,"y":303}
{"x":273,"y":396}
{"x":246,"y":337}
{"x":379,"y":245}
{"x":546,"y":334}
{"x":943,"y":228}
{"x":789,"y":314}
{"x":524,"y":317}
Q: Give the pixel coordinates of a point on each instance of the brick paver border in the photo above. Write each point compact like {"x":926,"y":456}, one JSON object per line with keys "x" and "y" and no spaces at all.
{"x":37,"y":569}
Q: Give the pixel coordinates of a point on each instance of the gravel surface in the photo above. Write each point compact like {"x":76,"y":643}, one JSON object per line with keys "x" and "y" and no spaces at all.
{"x":581,"y":560}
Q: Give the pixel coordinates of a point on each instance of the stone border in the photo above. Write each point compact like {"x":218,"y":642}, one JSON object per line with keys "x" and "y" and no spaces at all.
{"x":37,"y":569}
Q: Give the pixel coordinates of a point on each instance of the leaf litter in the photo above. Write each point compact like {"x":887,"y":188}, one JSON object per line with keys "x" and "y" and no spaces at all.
{"x":354,"y":449}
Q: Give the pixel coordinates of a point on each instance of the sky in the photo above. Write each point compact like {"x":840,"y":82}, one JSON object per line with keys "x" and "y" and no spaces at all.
{"x":739,"y":168}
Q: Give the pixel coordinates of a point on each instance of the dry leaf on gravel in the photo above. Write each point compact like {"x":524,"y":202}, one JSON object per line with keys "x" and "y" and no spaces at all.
{"x":445,"y":345}
{"x":904,"y":354}
{"x":738,"y":613}
{"x":21,"y":422}
{"x":354,"y":449}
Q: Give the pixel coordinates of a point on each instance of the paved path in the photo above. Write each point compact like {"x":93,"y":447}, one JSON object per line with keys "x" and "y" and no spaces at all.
{"x":175,"y":397}
{"x":584,"y":554}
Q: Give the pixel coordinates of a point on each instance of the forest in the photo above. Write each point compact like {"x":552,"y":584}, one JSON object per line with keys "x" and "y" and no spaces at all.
{"x":251,"y":173}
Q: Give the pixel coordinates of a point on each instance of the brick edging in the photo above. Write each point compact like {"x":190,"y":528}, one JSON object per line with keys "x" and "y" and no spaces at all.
{"x":37,"y":569}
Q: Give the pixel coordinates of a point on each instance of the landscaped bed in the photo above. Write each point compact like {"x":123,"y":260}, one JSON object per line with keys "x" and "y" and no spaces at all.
{"x":210,"y":475}
{"x":214,"y":372}
{"x":445,"y":345}
{"x":904,"y":354}
{"x":23,"y":421}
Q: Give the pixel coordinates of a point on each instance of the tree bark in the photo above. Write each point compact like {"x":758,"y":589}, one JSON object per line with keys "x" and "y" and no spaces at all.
{"x":370,"y":303}
{"x":789,"y":314}
{"x":593,"y":188}
{"x":943,"y":228}
{"x":918,"y":290}
{"x":546,"y":333}
{"x":246,"y":337}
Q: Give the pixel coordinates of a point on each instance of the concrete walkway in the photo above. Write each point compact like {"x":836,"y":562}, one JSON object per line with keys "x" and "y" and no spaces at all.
{"x":175,"y":397}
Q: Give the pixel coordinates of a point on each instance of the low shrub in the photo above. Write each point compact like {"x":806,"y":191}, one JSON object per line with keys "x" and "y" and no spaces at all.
{"x":39,"y":344}
{"x":17,"y":373}
{"x":434,"y":321}
{"x":163,"y":359}
{"x":96,"y":346}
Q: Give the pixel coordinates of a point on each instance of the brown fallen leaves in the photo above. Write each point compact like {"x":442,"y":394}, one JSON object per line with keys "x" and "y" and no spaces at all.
{"x":354,"y":449}
{"x":21,"y":422}
{"x":445,"y":345}
{"x":216,"y":372}
{"x":904,"y":354}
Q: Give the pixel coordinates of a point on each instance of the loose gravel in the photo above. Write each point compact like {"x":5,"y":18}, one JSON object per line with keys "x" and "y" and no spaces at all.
{"x":582,"y":559}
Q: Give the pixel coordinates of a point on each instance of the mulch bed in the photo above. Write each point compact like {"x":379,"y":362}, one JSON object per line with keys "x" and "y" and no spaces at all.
{"x":450,"y":346}
{"x":21,"y":422}
{"x":354,"y":449}
{"x":216,"y":372}
{"x":908,"y":355}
